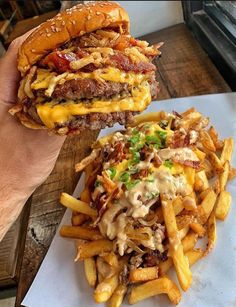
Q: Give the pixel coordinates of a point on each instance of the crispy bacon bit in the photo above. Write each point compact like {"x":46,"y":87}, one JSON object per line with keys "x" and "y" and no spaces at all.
{"x":193,"y":164}
{"x":157,"y":160}
{"x":58,"y":60}
{"x":177,"y":140}
{"x":123,"y":62}
{"x":118,"y":153}
{"x":177,"y":114}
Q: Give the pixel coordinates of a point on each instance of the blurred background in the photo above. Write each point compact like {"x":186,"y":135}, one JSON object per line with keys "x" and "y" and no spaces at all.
{"x":17,"y":17}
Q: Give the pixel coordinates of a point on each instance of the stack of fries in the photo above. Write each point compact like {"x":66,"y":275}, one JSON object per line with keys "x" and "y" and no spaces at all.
{"x":129,"y":239}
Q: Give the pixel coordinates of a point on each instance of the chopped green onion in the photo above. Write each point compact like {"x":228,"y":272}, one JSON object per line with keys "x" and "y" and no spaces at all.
{"x":112,"y":172}
{"x":151,"y":195}
{"x":152,"y":139}
{"x":134,"y":139}
{"x":132,"y":184}
{"x":97,"y":183}
{"x":150,"y":179}
{"x":168,"y":163}
{"x":135,"y":131}
{"x":125,"y":177}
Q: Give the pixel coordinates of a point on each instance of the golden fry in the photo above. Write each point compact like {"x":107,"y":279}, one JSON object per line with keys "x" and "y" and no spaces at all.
{"x":93,"y":248}
{"x":111,"y":259}
{"x":214,"y":136}
{"x":77,"y":205}
{"x":118,"y":296}
{"x":194,"y":255}
{"x":207,"y":141}
{"x":232,"y":173}
{"x":86,"y":161}
{"x":207,"y":206}
{"x":78,"y":232}
{"x":78,"y":219}
{"x":201,"y":181}
{"x":215,"y":162}
{"x":183,"y":221}
{"x":90,"y":271}
{"x":223,"y":205}
{"x":223,"y":177}
{"x":105,"y":289}
{"x":211,"y":232}
{"x":104,"y":268}
{"x":143,"y":274}
{"x":189,"y":202}
{"x":189,"y":241}
{"x":157,"y":286}
{"x":149,"y":117}
{"x":227,"y":151}
{"x":165,"y":266}
{"x":176,"y":248}
{"x":198,"y":229}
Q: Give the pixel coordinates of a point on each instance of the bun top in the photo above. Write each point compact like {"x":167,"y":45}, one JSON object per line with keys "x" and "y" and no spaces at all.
{"x":74,"y":22}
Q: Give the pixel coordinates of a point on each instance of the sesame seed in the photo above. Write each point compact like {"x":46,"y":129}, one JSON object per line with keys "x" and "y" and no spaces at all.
{"x":33,"y":50}
{"x":63,"y":23}
{"x":98,"y":13}
{"x":48,"y":34}
{"x":73,"y":21}
{"x":47,"y":31}
{"x":89,"y":17}
{"x":80,"y":10}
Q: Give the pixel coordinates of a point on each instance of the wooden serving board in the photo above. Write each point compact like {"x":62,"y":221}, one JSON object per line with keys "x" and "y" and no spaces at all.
{"x":12,"y":248}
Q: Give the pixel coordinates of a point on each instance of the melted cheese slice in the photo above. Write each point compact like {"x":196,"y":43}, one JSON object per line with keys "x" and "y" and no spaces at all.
{"x":52,"y":114}
{"x":48,"y":80}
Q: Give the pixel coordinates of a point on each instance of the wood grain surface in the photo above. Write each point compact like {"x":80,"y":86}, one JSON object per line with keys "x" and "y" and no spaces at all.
{"x":183,"y":70}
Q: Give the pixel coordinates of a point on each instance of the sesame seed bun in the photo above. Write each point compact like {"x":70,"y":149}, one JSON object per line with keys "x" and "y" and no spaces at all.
{"x":75,"y":22}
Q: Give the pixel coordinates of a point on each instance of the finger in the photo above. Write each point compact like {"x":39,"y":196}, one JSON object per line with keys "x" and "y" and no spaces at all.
{"x":9,"y":75}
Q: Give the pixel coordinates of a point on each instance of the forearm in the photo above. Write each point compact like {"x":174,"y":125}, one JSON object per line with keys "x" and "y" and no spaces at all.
{"x":12,"y":201}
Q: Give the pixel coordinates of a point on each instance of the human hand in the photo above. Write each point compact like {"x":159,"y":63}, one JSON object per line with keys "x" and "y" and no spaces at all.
{"x":26,"y":156}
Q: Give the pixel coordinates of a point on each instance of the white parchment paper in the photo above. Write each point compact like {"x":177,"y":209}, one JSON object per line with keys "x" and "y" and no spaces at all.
{"x":61,"y":283}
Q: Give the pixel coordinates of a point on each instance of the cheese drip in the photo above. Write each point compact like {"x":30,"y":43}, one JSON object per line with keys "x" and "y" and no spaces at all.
{"x":48,"y":80}
{"x":51,"y":114}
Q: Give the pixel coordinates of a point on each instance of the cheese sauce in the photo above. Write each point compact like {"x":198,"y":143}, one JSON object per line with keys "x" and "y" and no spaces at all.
{"x":136,"y":205}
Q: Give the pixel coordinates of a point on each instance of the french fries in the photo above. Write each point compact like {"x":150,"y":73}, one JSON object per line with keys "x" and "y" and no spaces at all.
{"x":118,"y":296}
{"x":78,"y":232}
{"x":77,"y":205}
{"x":77,"y":220}
{"x":223,"y":177}
{"x":227,"y":151}
{"x":207,"y":205}
{"x":211,"y":232}
{"x":189,"y":241}
{"x":90,"y":271}
{"x":162,"y":285}
{"x":105,"y":289}
{"x":141,"y":212}
{"x":176,"y":248}
{"x":223,"y":205}
{"x":198,"y":229}
{"x":143,"y":274}
{"x":194,"y":255}
{"x":111,"y":259}
{"x":90,"y":249}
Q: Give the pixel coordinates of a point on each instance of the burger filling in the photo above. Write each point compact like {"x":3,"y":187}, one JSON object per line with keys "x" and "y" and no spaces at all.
{"x":103,"y":76}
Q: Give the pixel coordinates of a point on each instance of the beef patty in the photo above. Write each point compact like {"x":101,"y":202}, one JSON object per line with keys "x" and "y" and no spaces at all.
{"x":88,"y":89}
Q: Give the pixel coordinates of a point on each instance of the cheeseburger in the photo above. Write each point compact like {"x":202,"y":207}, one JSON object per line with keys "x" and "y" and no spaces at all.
{"x":83,"y":70}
